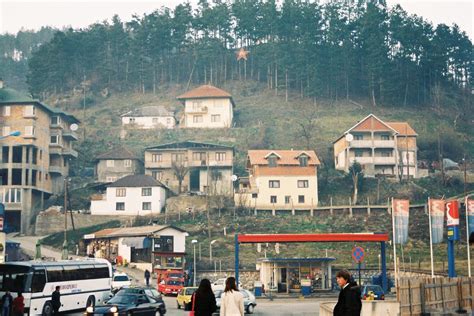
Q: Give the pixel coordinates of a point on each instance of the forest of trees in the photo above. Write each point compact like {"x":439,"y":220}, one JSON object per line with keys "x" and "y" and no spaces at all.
{"x":337,"y":50}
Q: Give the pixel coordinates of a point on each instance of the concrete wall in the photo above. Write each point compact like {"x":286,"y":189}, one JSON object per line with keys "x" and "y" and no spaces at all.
{"x":247,"y":278}
{"x":369,"y":308}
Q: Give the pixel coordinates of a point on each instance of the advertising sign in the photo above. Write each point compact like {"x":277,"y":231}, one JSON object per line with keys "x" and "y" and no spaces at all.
{"x":452,"y":213}
{"x":436,"y":209}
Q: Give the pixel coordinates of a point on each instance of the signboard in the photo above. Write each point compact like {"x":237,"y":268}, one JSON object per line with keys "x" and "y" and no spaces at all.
{"x":3,"y":246}
{"x":1,"y":223}
{"x":358,"y":254}
{"x":453,"y":233}
{"x":452,"y":213}
{"x":436,"y":210}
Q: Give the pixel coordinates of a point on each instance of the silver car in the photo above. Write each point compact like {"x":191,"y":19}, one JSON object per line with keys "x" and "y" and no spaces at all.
{"x":249,"y":300}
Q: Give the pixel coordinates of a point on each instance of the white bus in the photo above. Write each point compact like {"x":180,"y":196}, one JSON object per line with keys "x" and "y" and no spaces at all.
{"x":82,"y":283}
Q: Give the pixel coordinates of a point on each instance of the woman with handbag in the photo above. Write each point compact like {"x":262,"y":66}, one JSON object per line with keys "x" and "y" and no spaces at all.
{"x":203,"y":301}
{"x":232,"y":301}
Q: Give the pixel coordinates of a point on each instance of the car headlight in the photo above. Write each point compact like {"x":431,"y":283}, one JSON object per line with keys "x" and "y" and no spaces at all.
{"x":113,"y":309}
{"x":90,"y":309}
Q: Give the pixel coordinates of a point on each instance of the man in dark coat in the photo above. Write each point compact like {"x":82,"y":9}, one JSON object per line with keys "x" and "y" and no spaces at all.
{"x":147,"y":277}
{"x":56,"y":300}
{"x":7,"y":301}
{"x":348,"y":303}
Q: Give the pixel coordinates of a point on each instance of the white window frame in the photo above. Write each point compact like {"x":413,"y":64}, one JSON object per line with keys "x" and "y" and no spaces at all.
{"x":274,"y":184}
{"x":148,"y":204}
{"x":220,"y":156}
{"x":303,"y":184}
{"x":7,"y":110}
{"x":58,"y":120}
{"x":110,"y":163}
{"x":127,"y":162}
{"x":29,"y":130}
{"x":157,"y":174}
{"x":30,"y":110}
{"x":6,"y":131}
{"x":215,"y":118}
{"x":145,"y":191}
{"x":117,"y":208}
{"x":156,"y":157}
{"x":111,"y":179}
{"x":120,"y":192}
{"x":57,"y":139}
{"x":198,"y":119}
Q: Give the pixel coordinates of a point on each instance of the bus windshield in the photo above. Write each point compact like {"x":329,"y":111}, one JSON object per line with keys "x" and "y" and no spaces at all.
{"x":13,"y":278}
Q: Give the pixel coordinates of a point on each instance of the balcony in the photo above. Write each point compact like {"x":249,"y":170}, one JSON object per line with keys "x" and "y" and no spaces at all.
{"x":361,"y":144}
{"x":70,"y":152}
{"x":384,"y":160}
{"x":55,"y":149}
{"x":70,"y":134}
{"x":384,"y":143}
{"x":56,"y":126}
{"x":57,"y":169}
{"x":201,"y":109}
{"x":361,"y":160}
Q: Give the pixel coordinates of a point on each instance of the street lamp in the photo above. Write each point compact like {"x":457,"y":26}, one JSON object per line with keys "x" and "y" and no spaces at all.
{"x":194,"y":242}
{"x":210,"y":249}
{"x":14,"y":133}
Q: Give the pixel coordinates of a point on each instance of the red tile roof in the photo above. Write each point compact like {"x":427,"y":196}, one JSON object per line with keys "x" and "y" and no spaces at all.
{"x":286,"y":171}
{"x":371,"y":123}
{"x":204,"y":91}
{"x":402,"y":128}
{"x":286,"y":157}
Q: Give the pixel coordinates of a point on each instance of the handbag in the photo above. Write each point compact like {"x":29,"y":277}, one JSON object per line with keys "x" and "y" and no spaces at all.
{"x":193,"y":298}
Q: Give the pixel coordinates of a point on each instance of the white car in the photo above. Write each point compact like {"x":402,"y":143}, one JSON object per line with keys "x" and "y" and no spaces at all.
{"x":120,"y":280}
{"x":249,"y":300}
{"x":219,"y":285}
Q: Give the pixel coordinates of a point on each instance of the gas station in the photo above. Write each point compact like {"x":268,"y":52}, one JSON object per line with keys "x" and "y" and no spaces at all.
{"x":276,"y":275}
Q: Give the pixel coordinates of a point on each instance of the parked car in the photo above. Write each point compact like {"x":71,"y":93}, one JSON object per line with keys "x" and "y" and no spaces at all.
{"x":249,"y":300}
{"x":219,"y":284}
{"x":148,"y":291}
{"x":125,"y":304}
{"x":369,"y":292}
{"x":120,"y":280}
{"x":170,"y":286}
{"x":184,"y":296}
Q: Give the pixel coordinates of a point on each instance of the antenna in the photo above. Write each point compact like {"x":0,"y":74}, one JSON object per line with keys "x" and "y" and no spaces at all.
{"x":349,"y":137}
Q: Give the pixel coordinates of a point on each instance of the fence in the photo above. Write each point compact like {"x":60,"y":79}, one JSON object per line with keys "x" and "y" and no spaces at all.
{"x":418,"y":296}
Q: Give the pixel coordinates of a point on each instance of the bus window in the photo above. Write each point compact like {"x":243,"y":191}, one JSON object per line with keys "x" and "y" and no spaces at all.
{"x":72,"y":273}
{"x":101,"y":272}
{"x":39,"y":281}
{"x":55,"y":273}
{"x":13,"y":278}
{"x":87,"y":272}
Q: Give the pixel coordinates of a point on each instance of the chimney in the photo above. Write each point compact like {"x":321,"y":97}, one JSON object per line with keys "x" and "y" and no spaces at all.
{"x":1,"y":83}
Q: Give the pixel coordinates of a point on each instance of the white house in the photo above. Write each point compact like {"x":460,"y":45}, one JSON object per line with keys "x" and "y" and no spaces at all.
{"x":207,"y":107}
{"x":131,"y":195}
{"x":159,"y":247}
{"x":149,"y":117}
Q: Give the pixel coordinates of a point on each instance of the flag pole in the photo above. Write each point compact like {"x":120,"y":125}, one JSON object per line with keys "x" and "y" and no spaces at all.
{"x":394,"y":249}
{"x":431,"y":238}
{"x":467,"y":238}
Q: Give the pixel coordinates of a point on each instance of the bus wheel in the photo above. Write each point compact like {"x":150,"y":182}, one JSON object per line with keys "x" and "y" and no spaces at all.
{"x":47,"y":309}
{"x":90,"y":301}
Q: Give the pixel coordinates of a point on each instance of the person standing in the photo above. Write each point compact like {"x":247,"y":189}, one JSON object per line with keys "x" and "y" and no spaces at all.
{"x":203,"y":299}
{"x":18,"y":306}
{"x":7,"y":300}
{"x":147,"y":277}
{"x":232,"y":301}
{"x":56,"y":300}
{"x":348,"y":303}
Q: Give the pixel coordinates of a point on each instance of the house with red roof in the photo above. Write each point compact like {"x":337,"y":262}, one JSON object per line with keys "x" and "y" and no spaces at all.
{"x":207,"y":107}
{"x":280,"y":180}
{"x":381,"y":148}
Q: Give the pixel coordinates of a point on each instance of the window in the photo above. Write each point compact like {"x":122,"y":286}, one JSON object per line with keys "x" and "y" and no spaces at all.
{"x":146,"y":191}
{"x":55,"y":120}
{"x":30,"y":110}
{"x":127,"y":163}
{"x":215,"y":118}
{"x":6,"y":110}
{"x":163,"y":244}
{"x":196,"y":105}
{"x":254,"y":195}
{"x":146,"y":206}
{"x":287,"y":199}
{"x":197,"y":119}
{"x":111,"y":179}
{"x":303,"y":183}
{"x":156,"y":157}
{"x":303,"y":161}
{"x":274,"y":184}
{"x":358,"y":153}
{"x":272,"y":161}
{"x":385,"y":137}
{"x":54,"y":139}
{"x":199,"y":156}
{"x":273,"y":199}
{"x":38,"y":281}
{"x":12,"y":196}
{"x":131,"y":120}
{"x":177,"y":157}
{"x":220,"y":156}
{"x":300,"y":198}
{"x":110,"y":163}
{"x":154,"y":120}
{"x":120,"y":206}
{"x":29,"y":130}
{"x":386,"y":154}
{"x":120,"y":192}
{"x":157,"y":175}
{"x":6,"y":131}
{"x":358,"y":137}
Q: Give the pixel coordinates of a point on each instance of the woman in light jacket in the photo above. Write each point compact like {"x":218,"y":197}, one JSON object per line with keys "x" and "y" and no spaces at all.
{"x":232,"y":301}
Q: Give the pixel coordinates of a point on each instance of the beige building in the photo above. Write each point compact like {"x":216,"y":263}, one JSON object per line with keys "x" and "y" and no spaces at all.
{"x":149,"y":117}
{"x":203,"y":168}
{"x":115,"y":164}
{"x":280,"y":180}
{"x":34,"y":164}
{"x":386,"y":148}
{"x":207,"y":107}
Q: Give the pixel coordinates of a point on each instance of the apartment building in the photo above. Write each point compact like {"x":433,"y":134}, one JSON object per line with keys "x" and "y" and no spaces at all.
{"x":34,"y":164}
{"x":382,"y":148}
{"x":207,"y":107}
{"x":201,"y":168}
{"x":115,"y":164}
{"x":279,"y":180}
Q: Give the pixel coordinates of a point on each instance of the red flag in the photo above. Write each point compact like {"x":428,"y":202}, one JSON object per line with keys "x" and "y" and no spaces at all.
{"x":452,"y":213}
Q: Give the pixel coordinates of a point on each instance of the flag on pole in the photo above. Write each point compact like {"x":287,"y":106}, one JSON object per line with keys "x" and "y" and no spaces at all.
{"x":401,"y":212}
{"x":436,"y":209}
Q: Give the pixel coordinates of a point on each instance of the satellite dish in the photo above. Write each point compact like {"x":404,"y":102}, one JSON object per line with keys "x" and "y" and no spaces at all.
{"x":234,"y":178}
{"x":349,"y":137}
{"x":74,"y":127}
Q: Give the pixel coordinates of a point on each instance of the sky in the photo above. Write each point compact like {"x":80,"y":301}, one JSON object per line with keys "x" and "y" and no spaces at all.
{"x":33,"y":14}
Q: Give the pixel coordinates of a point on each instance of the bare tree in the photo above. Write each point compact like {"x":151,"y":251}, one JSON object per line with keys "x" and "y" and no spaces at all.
{"x":306,"y":126}
{"x":180,"y":171}
{"x":357,"y":176}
